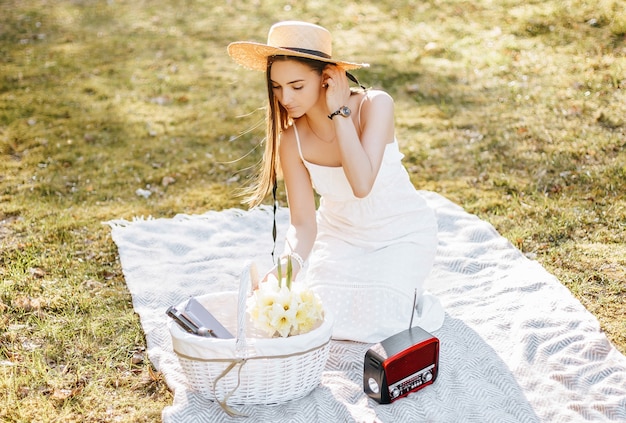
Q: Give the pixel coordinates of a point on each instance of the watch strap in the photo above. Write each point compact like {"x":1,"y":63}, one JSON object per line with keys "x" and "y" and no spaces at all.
{"x":333,"y":114}
{"x":343,"y":111}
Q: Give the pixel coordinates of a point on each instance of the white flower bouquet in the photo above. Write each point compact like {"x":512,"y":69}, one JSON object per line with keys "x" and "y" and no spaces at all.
{"x":282,"y":308}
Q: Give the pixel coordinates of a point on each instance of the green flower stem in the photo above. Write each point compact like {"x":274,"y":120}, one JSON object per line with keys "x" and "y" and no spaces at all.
{"x":289,"y":272}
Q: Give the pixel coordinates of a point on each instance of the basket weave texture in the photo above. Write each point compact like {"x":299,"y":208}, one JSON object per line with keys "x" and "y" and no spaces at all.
{"x":250,"y":369}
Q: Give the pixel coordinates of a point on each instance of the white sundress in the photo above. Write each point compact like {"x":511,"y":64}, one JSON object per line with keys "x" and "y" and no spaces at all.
{"x":371,"y":254}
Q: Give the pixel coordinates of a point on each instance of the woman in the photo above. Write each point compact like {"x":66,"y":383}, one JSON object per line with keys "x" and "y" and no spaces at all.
{"x":372,"y":241}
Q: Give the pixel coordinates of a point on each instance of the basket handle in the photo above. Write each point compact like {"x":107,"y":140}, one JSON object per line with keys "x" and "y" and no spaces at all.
{"x":241,"y":349}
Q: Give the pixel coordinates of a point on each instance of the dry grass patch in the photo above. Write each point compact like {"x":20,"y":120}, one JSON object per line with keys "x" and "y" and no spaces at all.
{"x":515,"y":111}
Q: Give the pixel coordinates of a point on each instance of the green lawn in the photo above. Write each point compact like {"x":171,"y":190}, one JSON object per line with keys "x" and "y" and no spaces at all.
{"x":514,"y":110}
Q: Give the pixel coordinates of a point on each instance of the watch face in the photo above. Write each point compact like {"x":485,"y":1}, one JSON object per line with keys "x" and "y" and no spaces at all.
{"x":343,"y":111}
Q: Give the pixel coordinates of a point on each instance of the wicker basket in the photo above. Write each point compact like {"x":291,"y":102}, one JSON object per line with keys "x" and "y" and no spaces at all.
{"x":250,"y":369}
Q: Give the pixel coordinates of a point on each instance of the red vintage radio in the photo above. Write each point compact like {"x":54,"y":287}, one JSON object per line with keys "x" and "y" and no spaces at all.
{"x":403,"y":363}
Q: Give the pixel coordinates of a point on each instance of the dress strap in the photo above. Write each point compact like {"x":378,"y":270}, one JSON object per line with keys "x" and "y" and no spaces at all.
{"x":360,"y":108}
{"x":295,"y":130}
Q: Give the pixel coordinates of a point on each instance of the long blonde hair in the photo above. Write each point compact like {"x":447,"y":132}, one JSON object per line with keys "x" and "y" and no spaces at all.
{"x":277,"y":121}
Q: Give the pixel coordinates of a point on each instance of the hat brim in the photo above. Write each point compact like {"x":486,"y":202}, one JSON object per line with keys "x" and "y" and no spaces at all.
{"x":254,"y":56}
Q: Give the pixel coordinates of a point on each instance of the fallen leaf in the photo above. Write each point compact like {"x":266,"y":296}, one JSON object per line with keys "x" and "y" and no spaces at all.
{"x":137,"y":358}
{"x":65,"y":394}
{"x":93,"y":284}
{"x":167,"y":180}
{"x":27,"y":304}
{"x":37,"y":272}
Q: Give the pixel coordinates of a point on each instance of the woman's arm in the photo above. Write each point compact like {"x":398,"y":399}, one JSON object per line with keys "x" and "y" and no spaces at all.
{"x":303,"y":226}
{"x":361,"y":157}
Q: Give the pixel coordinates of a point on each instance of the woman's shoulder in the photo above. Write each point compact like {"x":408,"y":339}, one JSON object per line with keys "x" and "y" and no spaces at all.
{"x":377,"y":98}
{"x":288,"y":138}
{"x":376,"y":102}
{"x":289,"y":131}
{"x":377,"y":95}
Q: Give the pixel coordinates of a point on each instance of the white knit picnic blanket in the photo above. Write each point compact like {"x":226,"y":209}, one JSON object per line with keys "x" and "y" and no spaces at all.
{"x":516,"y":346}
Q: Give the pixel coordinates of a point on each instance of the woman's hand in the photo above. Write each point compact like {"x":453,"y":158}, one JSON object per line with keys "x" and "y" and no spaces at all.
{"x":273,"y":271}
{"x":254,"y":276}
{"x":295,"y":269}
{"x":337,"y":87}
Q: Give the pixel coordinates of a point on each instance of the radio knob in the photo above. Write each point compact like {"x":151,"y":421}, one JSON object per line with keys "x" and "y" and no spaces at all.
{"x":395,"y":393}
{"x":428,"y":377}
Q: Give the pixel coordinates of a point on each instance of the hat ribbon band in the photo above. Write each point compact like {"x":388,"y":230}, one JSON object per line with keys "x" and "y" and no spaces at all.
{"x":307,"y":51}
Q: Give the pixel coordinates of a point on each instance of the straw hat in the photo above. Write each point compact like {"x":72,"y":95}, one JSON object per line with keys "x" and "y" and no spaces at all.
{"x":289,"y":38}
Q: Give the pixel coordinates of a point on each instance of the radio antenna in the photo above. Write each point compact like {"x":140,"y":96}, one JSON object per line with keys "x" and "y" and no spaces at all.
{"x":413,"y":312}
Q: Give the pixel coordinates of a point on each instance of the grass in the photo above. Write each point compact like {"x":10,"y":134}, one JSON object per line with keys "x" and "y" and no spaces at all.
{"x":514,"y":110}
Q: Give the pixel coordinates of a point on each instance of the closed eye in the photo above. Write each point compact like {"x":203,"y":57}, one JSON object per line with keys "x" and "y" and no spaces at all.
{"x":296,"y":85}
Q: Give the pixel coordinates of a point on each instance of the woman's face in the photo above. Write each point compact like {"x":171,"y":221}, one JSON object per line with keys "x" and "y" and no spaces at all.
{"x":296,"y":86}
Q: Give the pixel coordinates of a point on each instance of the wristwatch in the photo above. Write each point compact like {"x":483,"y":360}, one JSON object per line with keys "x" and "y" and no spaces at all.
{"x":343,"y":111}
